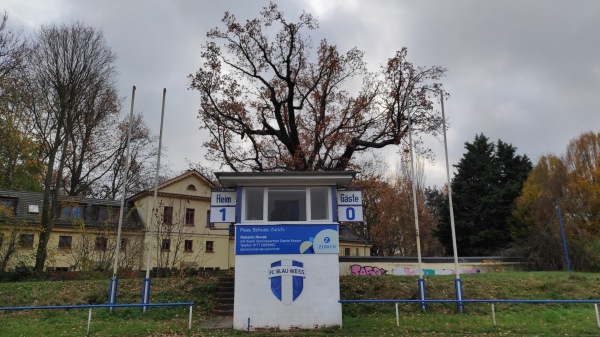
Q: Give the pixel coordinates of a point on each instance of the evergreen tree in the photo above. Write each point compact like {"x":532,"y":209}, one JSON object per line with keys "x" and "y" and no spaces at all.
{"x":488,"y":180}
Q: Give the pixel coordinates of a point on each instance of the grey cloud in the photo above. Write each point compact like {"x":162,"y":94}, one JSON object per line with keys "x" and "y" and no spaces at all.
{"x":527,"y":72}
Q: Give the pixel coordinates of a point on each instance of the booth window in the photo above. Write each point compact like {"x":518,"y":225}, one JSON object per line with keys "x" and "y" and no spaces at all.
{"x":319,"y":203}
{"x":287,"y":204}
{"x":254,"y":203}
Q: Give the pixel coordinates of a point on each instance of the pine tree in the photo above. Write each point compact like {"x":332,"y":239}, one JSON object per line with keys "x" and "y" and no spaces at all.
{"x":488,"y":180}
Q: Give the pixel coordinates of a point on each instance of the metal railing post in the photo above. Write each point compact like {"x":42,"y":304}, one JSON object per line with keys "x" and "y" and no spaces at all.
{"x":89,"y":322}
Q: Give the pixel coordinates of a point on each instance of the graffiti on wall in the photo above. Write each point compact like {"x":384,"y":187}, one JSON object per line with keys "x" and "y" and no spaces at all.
{"x":356,"y":269}
{"x":359,"y":270}
{"x":412,"y":272}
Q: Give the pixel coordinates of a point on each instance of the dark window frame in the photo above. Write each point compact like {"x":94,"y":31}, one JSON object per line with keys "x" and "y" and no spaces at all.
{"x":109,"y":214}
{"x":210,"y":247}
{"x":189,"y":216}
{"x":124,"y":243}
{"x":101,"y":243}
{"x":168,"y":215}
{"x":68,"y":212}
{"x":10,"y":203}
{"x":188,"y":246}
{"x":26,"y":240}
{"x":65,"y":242}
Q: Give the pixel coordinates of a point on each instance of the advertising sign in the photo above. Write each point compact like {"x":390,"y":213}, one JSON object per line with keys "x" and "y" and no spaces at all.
{"x":286,"y":239}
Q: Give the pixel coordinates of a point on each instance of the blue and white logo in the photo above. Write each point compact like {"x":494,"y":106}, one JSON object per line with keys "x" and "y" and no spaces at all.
{"x":287,"y":280}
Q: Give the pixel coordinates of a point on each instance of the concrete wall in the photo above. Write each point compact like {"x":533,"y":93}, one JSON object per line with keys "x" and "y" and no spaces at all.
{"x":431,"y":266}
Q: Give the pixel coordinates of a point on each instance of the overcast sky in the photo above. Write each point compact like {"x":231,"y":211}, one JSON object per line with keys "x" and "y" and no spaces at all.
{"x":525,"y":72}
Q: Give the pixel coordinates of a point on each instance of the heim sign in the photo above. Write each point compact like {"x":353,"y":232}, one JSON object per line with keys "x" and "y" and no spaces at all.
{"x":222,"y":206}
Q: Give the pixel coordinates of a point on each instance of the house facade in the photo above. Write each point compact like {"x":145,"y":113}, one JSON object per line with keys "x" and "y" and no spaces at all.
{"x":182,"y":237}
{"x":83,"y":236}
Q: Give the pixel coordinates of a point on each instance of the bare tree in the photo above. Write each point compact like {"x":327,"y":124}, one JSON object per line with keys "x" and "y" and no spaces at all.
{"x":69,"y":66}
{"x":389,"y":213}
{"x":270,"y":103}
{"x":91,"y":150}
{"x":143,"y":153}
{"x":12,"y":49}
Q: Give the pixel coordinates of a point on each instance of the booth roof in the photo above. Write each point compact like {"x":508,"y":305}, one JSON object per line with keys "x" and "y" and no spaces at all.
{"x":291,"y":178}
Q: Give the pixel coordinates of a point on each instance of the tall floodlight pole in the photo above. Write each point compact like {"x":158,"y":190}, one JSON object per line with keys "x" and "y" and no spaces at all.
{"x":112,"y":295}
{"x":421,"y":281}
{"x":153,"y":217}
{"x":457,"y":280}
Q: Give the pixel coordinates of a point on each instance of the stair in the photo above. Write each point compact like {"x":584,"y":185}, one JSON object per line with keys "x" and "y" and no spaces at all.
{"x":225,"y":291}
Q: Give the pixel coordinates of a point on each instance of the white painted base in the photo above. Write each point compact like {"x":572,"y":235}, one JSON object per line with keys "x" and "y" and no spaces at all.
{"x":316,"y":306}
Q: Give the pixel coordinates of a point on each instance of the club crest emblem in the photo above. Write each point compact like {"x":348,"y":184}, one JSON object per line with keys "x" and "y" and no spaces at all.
{"x":287,"y":280}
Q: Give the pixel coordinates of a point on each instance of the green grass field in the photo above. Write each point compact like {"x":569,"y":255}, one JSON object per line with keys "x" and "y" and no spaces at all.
{"x":358,"y":319}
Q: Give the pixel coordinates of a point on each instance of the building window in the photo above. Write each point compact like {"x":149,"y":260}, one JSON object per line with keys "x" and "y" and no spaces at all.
{"x":168,"y":215}
{"x":72,"y":212}
{"x":26,"y":240}
{"x":210,"y":246}
{"x":64,"y":242}
{"x":191,"y":187}
{"x":347,"y":251}
{"x":10,"y":204}
{"x":357,"y":252}
{"x":101,"y":243}
{"x":208,"y":218}
{"x":123,"y":247}
{"x":188,"y":245}
{"x":108,"y":214}
{"x":165,"y":244}
{"x":189,"y":216}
